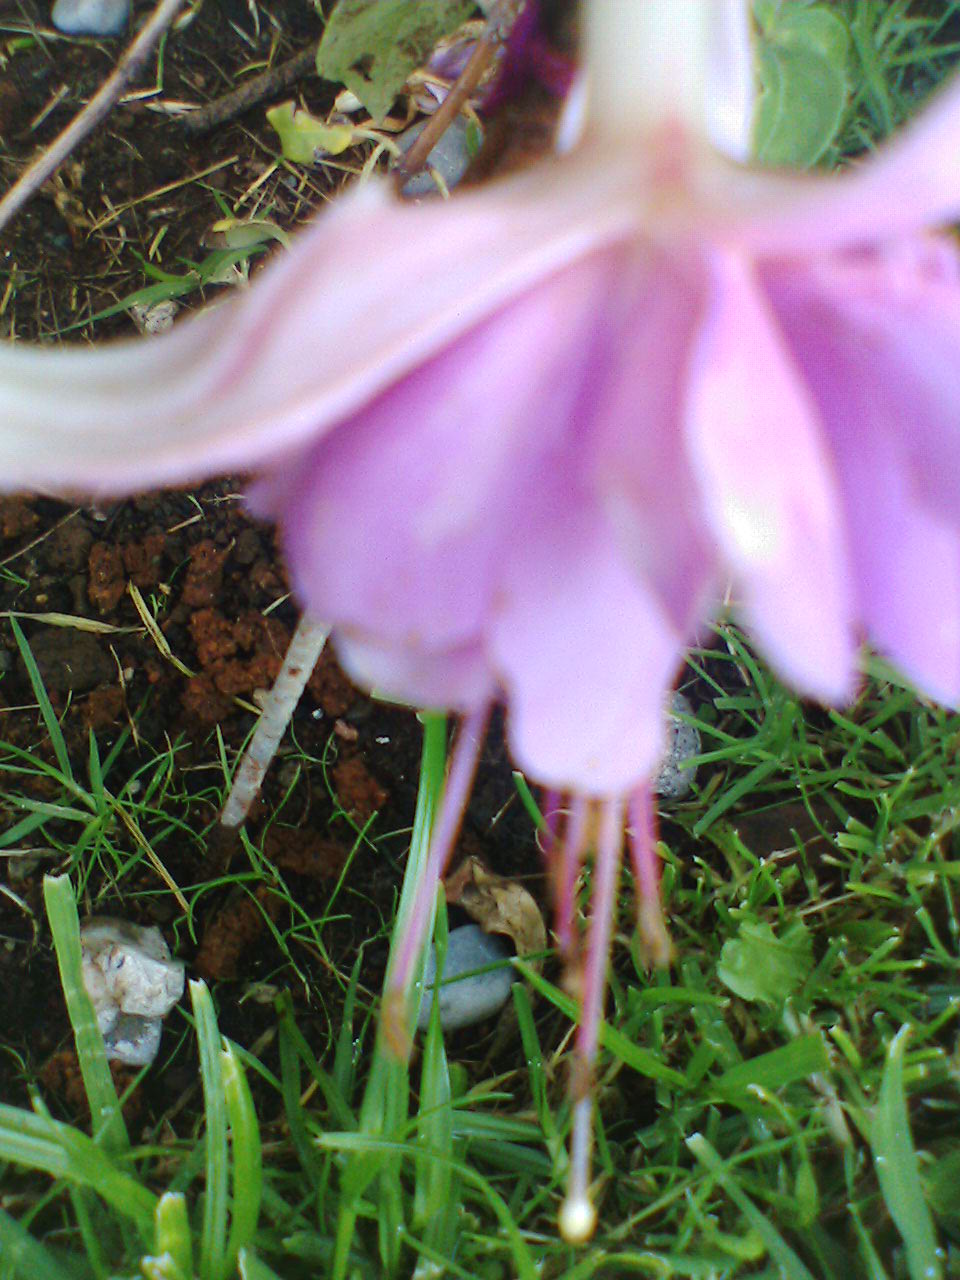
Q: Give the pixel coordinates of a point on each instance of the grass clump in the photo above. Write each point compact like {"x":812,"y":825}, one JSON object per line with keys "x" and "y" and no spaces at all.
{"x":783,"y":1102}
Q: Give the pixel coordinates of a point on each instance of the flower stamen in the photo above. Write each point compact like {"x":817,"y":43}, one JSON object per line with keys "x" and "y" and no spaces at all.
{"x":577,"y":1214}
{"x":642,"y":841}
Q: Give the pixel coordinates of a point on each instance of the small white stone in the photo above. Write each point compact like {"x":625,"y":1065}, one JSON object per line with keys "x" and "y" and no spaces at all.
{"x":91,"y":17}
{"x":466,"y":1000}
{"x":156,"y":319}
{"x":132,"y":983}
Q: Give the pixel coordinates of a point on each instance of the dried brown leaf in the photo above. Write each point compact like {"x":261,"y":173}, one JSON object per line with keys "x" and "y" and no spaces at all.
{"x":498,"y":905}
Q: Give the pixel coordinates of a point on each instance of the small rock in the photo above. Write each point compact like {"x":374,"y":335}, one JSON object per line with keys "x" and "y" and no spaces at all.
{"x":465,"y":1000}
{"x":450,"y":158}
{"x":70,"y":660}
{"x":133,"y":1039}
{"x":673,"y":781}
{"x":156,"y":319}
{"x":91,"y":17}
{"x":133,"y":984}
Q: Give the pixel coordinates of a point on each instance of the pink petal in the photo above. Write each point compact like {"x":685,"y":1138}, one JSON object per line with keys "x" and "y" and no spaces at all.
{"x":456,"y":679}
{"x":638,"y":460}
{"x":767,"y":486}
{"x":879,"y":342}
{"x":585,"y":651}
{"x":371,"y":291}
{"x":396,"y":523}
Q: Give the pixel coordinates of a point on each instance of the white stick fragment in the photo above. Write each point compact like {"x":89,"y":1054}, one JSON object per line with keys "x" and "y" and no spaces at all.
{"x":298,"y":664}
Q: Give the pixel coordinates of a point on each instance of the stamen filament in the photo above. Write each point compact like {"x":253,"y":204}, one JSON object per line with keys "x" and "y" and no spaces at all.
{"x":642,"y":840}
{"x":577,"y":1215}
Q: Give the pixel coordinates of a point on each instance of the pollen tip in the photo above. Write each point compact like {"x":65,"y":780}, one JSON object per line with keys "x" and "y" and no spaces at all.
{"x":578,"y":1219}
{"x":657,"y":946}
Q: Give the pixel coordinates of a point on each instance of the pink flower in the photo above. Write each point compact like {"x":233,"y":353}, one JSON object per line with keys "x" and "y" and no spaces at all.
{"x":520,"y":444}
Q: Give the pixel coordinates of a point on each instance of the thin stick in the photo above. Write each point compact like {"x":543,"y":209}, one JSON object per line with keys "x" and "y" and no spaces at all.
{"x":37,"y":173}
{"x":497,"y":30}
{"x":298,"y":664}
{"x":251,"y":92}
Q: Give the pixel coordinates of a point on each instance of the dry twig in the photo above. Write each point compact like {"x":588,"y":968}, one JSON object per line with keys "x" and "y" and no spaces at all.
{"x":252,"y":92}
{"x":500,"y":24}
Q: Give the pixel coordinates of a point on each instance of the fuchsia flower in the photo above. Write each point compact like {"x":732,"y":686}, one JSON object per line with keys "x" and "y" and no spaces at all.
{"x":520,"y":444}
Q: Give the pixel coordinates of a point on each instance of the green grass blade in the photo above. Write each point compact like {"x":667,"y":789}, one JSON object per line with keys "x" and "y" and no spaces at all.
{"x":292,"y":1037}
{"x":521,"y":1256}
{"x":107,"y":1118}
{"x":37,"y":1142}
{"x":251,"y":1268}
{"x":527,"y":800}
{"x":43,"y":700}
{"x":385,"y":1105}
{"x":533,"y":1053}
{"x":213,"y":1231}
{"x":290,"y":1092}
{"x":895,"y":1162}
{"x":632,"y":1055}
{"x":24,"y":1257}
{"x":173,"y":1237}
{"x":434,"y":1190}
{"x":789,"y":1264}
{"x":247,"y":1156}
{"x":801,"y":1058}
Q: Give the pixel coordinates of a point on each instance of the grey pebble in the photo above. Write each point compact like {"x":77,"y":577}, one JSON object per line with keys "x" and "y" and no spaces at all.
{"x":450,"y":158}
{"x":466,"y":1000}
{"x":683,"y":743}
{"x":91,"y":17}
{"x":133,"y":1039}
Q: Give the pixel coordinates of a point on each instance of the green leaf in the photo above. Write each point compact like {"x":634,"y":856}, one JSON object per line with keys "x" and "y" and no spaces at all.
{"x":372,"y":46}
{"x":898,"y":1170}
{"x":802,"y":63}
{"x":303,"y":137}
{"x":759,"y":966}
